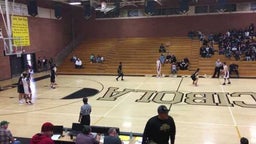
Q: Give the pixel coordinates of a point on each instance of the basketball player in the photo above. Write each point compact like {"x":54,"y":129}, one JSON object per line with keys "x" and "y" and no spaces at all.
{"x":120,"y":72}
{"x":195,"y":77}
{"x":226,"y":73}
{"x":53,"y":76}
{"x":27,"y":90}
{"x":158,"y":68}
{"x":20,"y":89}
{"x":85,"y":111}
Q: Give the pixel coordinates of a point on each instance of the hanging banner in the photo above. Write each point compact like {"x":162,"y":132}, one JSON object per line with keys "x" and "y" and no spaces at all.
{"x":20,"y":31}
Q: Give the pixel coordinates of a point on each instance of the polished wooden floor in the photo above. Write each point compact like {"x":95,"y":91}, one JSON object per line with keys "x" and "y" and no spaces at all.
{"x":208,"y":114}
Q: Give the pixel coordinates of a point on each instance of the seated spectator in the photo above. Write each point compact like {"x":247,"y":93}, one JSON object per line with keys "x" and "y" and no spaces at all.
{"x":183,"y":65}
{"x":6,"y":135}
{"x":112,"y":137}
{"x":173,"y":59}
{"x":162,"y":58}
{"x":233,"y":68}
{"x":168,"y":58}
{"x":78,"y":64}
{"x":92,"y":58}
{"x":99,"y":59}
{"x":73,"y":59}
{"x":173,"y":68}
{"x":45,"y":136}
{"x":85,"y":137}
{"x":162,"y":48}
{"x":186,"y":60}
{"x":102,"y":59}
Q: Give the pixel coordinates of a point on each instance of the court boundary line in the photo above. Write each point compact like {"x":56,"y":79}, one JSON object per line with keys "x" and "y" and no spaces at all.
{"x":231,"y":113}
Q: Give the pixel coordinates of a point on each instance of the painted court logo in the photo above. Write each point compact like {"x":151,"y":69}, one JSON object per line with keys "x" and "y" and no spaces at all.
{"x":241,"y":99}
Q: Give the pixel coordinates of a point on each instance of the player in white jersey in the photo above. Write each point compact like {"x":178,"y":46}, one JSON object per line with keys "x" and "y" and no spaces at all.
{"x":158,"y":68}
{"x":226,"y":73}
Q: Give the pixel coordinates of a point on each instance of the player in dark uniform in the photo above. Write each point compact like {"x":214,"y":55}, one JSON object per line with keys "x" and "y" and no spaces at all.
{"x":160,"y":128}
{"x":195,"y":77}
{"x":20,"y":89}
{"x":120,"y":72}
{"x":53,"y":76}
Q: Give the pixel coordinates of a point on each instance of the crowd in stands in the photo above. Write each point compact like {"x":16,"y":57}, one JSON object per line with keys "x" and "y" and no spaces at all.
{"x":96,"y":59}
{"x":171,"y":59}
{"x":77,"y":61}
{"x":235,"y":43}
{"x":93,"y":59}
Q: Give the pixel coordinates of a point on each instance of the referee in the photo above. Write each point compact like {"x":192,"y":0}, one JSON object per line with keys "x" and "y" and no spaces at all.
{"x":84,"y":117}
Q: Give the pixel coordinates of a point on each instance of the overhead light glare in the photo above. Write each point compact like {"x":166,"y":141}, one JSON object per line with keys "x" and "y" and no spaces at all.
{"x":75,"y":3}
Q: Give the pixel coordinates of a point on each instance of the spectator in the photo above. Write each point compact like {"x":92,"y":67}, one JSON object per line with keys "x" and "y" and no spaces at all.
{"x":85,"y":111}
{"x":173,"y":68}
{"x":6,"y":135}
{"x":234,"y":68}
{"x":92,"y":58}
{"x":162,"y":58}
{"x":112,"y":137}
{"x":159,"y":129}
{"x":168,"y":58}
{"x":85,"y":137}
{"x":78,"y":64}
{"x":173,"y":59}
{"x":102,"y":59}
{"x":183,"y":65}
{"x":73,"y":59}
{"x":162,"y":48}
{"x":45,"y":136}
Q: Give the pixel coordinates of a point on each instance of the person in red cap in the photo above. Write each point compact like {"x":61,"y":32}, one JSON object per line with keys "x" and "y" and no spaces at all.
{"x":45,"y":136}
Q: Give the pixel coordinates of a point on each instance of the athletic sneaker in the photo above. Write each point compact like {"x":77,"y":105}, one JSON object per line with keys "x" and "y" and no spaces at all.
{"x":229,"y":82}
{"x":20,"y":102}
{"x":223,"y":84}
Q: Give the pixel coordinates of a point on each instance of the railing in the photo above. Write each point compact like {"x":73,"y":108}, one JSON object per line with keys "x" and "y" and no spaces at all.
{"x":67,"y":50}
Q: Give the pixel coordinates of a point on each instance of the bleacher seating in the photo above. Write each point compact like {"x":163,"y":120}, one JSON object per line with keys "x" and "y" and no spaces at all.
{"x":137,"y":54}
{"x":139,"y":57}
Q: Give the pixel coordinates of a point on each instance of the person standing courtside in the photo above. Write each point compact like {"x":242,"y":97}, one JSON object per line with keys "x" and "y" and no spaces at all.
{"x":120,"y":72}
{"x":226,"y":74}
{"x":160,"y":128}
{"x":218,"y":66}
{"x":53,"y":76}
{"x":84,"y":117}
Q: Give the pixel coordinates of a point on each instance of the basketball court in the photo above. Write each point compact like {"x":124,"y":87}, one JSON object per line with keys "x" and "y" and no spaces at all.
{"x":208,"y":114}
